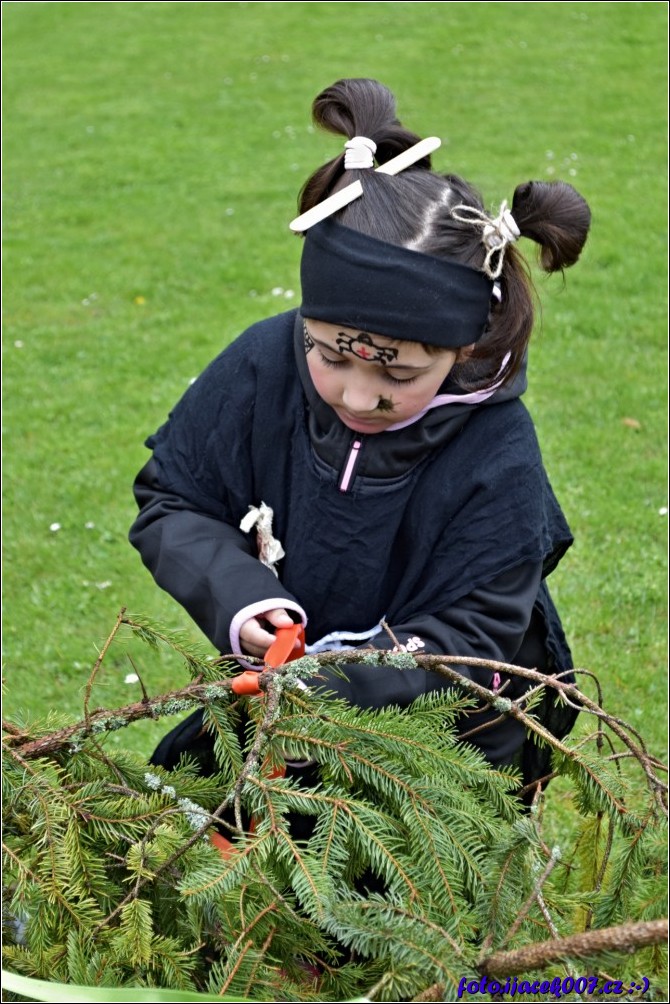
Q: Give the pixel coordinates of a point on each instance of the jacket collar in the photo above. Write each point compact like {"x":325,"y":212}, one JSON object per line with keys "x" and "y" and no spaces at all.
{"x":388,"y":454}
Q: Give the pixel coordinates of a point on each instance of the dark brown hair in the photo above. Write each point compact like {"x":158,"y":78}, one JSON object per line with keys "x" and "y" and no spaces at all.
{"x":413,"y":209}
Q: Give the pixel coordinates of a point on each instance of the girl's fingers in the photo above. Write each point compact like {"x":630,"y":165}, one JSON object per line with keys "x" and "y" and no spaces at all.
{"x":278,"y":618}
{"x":254,"y":636}
{"x":255,"y":639}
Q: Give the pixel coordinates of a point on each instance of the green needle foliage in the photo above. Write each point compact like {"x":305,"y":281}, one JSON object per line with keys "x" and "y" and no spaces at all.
{"x":402,"y":861}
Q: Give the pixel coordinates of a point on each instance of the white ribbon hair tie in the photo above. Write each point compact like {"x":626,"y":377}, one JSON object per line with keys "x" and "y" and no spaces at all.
{"x":497,"y":233}
{"x":359,"y":153}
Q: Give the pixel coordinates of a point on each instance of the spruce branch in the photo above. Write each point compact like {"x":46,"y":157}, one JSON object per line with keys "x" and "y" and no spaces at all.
{"x":442,"y":665}
{"x":349,"y":807}
{"x":22,"y":866}
{"x":198,"y":693}
{"x":166,"y":866}
{"x":397,"y":795}
{"x":622,"y":939}
{"x":251,"y":982}
{"x":568,"y":692}
{"x":233,"y":970}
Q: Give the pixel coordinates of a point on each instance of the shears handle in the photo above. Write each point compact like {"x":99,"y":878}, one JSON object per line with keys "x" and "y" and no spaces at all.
{"x":282,"y":648}
{"x":280,"y":651}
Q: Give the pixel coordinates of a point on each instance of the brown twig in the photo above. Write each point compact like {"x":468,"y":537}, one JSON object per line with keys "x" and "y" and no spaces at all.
{"x":586,"y":945}
{"x":12,"y":729}
{"x":432,"y":993}
{"x":98,"y":662}
{"x":98,"y":720}
{"x":535,"y":894}
{"x":393,"y":638}
{"x":253,"y":761}
{"x":534,"y":785}
{"x":145,"y":695}
{"x":442,"y":664}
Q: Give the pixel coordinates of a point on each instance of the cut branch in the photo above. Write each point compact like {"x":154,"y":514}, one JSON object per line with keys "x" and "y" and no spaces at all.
{"x":625,"y":938}
{"x":198,"y":693}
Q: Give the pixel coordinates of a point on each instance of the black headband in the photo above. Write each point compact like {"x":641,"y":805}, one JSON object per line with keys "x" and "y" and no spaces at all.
{"x":364,"y":283}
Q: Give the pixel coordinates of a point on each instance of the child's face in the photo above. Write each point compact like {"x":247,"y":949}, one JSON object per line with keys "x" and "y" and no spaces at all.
{"x":372,"y":382}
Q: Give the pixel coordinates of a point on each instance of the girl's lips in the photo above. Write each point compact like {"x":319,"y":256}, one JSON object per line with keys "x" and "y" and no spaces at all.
{"x":360,"y":424}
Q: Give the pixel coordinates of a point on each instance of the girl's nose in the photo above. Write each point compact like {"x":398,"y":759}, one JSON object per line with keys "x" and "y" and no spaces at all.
{"x":359,"y":397}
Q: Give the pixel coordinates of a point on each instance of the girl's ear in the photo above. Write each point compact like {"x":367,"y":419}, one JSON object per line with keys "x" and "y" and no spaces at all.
{"x":464,"y":353}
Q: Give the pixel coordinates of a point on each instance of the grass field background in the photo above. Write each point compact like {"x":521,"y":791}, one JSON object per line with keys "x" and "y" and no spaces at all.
{"x":153,"y":155}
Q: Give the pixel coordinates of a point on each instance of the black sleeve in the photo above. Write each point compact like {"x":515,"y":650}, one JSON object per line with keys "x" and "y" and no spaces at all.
{"x":489,"y":623}
{"x":209,"y":567}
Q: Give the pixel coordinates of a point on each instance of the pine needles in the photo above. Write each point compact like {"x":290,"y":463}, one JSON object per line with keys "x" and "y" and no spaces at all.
{"x":390,"y":859}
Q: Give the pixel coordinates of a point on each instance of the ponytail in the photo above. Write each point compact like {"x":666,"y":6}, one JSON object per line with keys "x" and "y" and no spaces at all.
{"x":553,"y":215}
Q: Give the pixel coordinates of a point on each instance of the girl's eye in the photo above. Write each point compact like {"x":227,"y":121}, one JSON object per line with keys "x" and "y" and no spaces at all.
{"x":331,"y":362}
{"x":335,"y":363}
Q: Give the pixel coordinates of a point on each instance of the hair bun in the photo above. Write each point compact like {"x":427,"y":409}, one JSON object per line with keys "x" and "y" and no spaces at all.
{"x":555,"y":215}
{"x":362,"y":107}
{"x":355,"y":107}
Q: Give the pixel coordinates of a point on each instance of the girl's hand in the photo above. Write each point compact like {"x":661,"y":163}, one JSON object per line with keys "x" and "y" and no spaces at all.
{"x":255,"y":638}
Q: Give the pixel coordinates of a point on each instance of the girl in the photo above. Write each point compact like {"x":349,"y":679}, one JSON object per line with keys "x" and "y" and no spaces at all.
{"x":382,"y":424}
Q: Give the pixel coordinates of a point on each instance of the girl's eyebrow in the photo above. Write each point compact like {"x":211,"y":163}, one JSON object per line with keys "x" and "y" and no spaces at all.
{"x":390,"y":366}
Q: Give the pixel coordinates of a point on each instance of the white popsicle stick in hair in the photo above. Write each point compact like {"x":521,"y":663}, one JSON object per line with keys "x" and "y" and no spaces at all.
{"x":324,"y":209}
{"x":409,"y":157}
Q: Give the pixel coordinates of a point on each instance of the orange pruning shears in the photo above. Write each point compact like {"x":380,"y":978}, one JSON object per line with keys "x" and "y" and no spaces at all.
{"x":281,"y":651}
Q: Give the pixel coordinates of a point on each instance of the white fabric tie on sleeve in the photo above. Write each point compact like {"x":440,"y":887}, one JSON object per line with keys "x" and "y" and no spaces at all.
{"x":270,"y":550}
{"x":359,"y":153}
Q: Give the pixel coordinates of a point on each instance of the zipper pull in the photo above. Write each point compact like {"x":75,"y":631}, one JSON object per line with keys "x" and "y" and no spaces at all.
{"x":350,"y":465}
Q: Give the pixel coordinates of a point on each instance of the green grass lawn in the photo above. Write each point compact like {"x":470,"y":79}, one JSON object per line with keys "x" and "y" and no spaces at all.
{"x":153,"y":156}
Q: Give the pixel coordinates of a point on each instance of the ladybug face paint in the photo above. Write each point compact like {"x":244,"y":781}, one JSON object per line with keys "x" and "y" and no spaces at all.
{"x":365,"y":348}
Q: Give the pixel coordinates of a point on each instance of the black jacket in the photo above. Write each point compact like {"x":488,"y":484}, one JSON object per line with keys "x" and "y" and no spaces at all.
{"x":447,"y":528}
